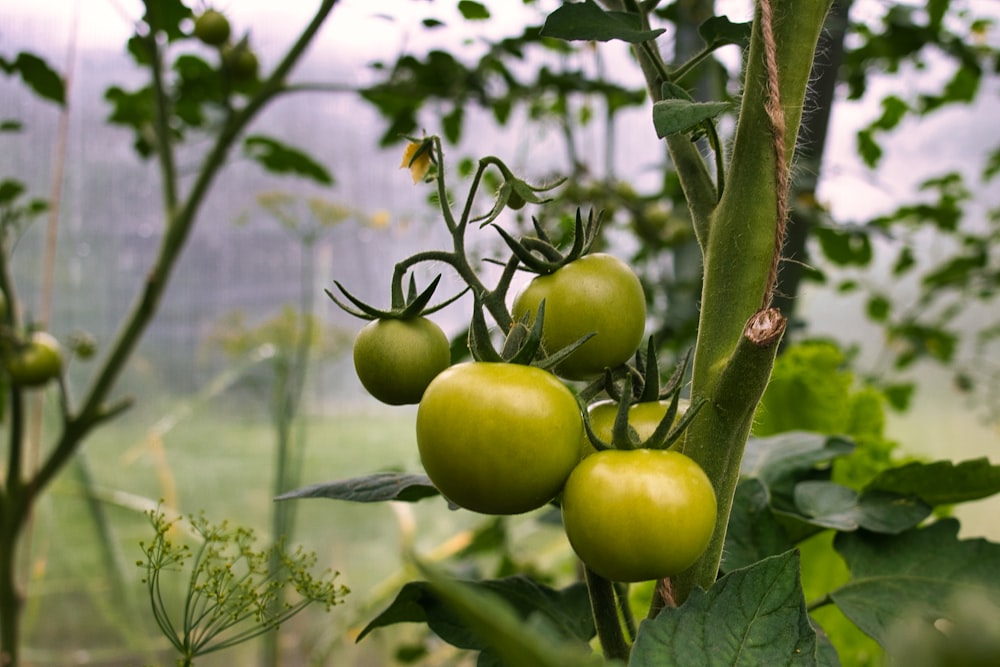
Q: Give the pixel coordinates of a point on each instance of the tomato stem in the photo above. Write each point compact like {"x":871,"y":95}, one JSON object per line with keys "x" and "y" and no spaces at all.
{"x":607,"y":620}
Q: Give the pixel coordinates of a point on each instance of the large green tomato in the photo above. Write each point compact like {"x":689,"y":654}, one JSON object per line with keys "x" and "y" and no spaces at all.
{"x":498,"y":438}
{"x":596,"y":293}
{"x":396,"y":359}
{"x":643,"y":417}
{"x":638,"y":515}
{"x":37,"y":362}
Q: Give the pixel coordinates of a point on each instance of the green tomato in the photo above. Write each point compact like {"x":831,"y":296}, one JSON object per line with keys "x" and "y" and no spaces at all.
{"x":638,"y":515}
{"x":396,"y":359}
{"x":212,"y":27}
{"x":596,"y":293}
{"x":642,"y":417}
{"x":37,"y":362}
{"x":498,"y":438}
{"x":240,"y":63}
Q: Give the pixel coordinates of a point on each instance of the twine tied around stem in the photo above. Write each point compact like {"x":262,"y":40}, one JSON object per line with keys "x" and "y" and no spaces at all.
{"x":776,"y":115}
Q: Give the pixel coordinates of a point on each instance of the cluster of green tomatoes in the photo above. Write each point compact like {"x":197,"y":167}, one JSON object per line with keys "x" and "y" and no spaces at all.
{"x":239,"y":62}
{"x":506,"y":438}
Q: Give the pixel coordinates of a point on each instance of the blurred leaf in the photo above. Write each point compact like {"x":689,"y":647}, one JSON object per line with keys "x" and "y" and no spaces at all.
{"x":753,"y":616}
{"x":878,"y":307}
{"x":675,"y":116}
{"x":719,"y":31}
{"x":831,"y":505}
{"x":198,"y":83}
{"x":11,"y":126}
{"x":961,"y":88}
{"x":10,"y":190}
{"x":904,"y":262}
{"x":868,"y":148}
{"x":754,"y":532}
{"x":922,"y":340}
{"x":451,"y":123}
{"x":374,"y":488}
{"x":942,"y":482}
{"x":992,"y":166}
{"x":916,"y":572}
{"x":782,"y":461}
{"x":508,"y":636}
{"x":899,"y":395}
{"x":845,"y":247}
{"x":279,"y":158}
{"x":473,"y":11}
{"x":37,"y":75}
{"x":519,"y":599}
{"x":167,"y":16}
{"x":587,"y":21}
{"x":958,"y":271}
{"x":809,"y":390}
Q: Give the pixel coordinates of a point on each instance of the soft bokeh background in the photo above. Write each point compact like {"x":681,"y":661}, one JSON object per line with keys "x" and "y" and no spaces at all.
{"x":213,"y":451}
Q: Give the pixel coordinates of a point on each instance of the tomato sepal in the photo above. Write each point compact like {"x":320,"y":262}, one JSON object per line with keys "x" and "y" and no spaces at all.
{"x":414,"y":305}
{"x":540,"y":256}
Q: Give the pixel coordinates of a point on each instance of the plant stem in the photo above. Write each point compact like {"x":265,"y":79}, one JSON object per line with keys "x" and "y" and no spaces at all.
{"x":606,"y":619}
{"x":730,"y":370}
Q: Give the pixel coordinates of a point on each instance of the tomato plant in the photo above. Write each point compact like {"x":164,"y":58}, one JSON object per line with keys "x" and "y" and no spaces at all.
{"x":37,"y":362}
{"x":397,"y":358}
{"x":498,"y":438}
{"x":212,"y":27}
{"x":638,"y":515}
{"x":597,"y":294}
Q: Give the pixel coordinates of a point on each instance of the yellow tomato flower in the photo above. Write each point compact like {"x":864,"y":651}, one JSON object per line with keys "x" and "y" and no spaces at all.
{"x":417,"y":158}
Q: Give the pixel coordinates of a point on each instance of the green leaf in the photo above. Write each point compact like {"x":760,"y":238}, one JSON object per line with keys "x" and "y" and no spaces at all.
{"x":899,"y":395}
{"x":831,"y":505}
{"x":942,"y":482}
{"x":675,"y":116}
{"x":992,"y":166}
{"x":878,"y":308}
{"x":279,"y":158}
{"x":510,"y":601}
{"x":451,"y":124}
{"x":587,"y":21}
{"x":914,"y":573}
{"x":10,"y":190}
{"x":847,"y":247}
{"x":11,"y":126}
{"x":473,"y":11}
{"x":719,"y":31}
{"x":37,"y":75}
{"x":782,"y":461}
{"x":754,"y":532}
{"x":374,"y":488}
{"x":167,"y":16}
{"x":868,"y":148}
{"x":753,"y":616}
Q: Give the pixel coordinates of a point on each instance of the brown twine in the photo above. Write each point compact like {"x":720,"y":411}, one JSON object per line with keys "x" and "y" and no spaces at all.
{"x":781,"y":174}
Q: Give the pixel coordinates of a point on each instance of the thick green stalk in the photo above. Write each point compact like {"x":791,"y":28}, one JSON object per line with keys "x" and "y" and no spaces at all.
{"x":729,"y":370}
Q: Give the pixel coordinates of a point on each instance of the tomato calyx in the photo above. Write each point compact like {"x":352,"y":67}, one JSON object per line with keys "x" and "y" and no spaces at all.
{"x":415,"y":304}
{"x":639,"y":387}
{"x":521,"y":345}
{"x":539,"y":254}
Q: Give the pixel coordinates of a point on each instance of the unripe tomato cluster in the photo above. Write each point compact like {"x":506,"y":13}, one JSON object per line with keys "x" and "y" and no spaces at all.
{"x":502,"y":438}
{"x":239,"y":62}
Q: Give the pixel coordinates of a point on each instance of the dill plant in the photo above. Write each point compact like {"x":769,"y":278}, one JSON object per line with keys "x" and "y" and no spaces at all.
{"x":231,"y":586}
